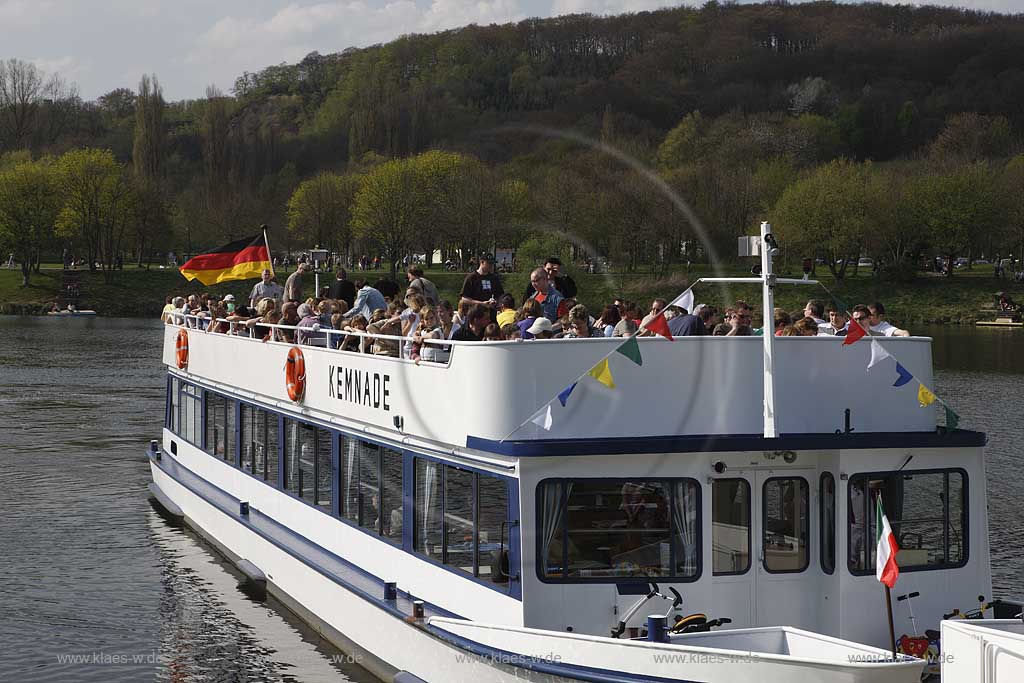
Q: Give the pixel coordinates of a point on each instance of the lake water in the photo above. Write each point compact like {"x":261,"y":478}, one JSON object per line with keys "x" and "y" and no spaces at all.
{"x":96,"y":586}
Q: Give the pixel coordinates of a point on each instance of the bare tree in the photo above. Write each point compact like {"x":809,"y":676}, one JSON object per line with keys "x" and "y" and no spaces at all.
{"x":21,"y":92}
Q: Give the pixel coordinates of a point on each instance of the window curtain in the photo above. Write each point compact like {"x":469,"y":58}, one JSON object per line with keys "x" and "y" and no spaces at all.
{"x":684,"y":520}
{"x":350,"y":495}
{"x":553,"y":501}
{"x":429,"y":485}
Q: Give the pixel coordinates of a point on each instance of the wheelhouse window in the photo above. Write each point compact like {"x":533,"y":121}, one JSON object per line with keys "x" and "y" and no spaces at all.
{"x":370,"y":488}
{"x":730,"y":526}
{"x":785,"y":540}
{"x":606,"y":529}
{"x":307,"y":473}
{"x":461,"y":519}
{"x":927,"y":510}
{"x":827,"y":521}
{"x":220,"y":427}
{"x":259,"y":443}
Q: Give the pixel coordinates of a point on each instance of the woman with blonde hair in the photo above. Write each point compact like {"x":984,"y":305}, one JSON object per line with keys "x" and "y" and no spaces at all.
{"x":429,"y":328}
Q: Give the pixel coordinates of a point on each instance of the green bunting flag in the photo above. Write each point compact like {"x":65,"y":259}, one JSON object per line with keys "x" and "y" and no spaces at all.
{"x":631,"y":350}
{"x":952,"y":419}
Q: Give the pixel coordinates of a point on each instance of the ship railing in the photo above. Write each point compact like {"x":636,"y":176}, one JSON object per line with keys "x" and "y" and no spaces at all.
{"x":243,"y":330}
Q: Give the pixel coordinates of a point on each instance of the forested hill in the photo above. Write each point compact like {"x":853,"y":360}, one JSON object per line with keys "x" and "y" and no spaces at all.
{"x":731,"y":104}
{"x":889,"y":76}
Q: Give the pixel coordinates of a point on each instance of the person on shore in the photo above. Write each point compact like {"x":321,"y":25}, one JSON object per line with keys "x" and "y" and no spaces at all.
{"x":342,"y":289}
{"x":367,"y":301}
{"x":882,"y":327}
{"x":477,"y":320}
{"x":483,"y":286}
{"x":422,"y":285}
{"x":293,"y":285}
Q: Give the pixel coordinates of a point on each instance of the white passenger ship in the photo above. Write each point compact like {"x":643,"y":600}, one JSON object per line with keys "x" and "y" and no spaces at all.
{"x":406,"y":512}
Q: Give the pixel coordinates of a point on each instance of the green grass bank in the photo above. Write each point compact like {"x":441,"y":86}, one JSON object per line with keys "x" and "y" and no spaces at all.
{"x":929,"y":299}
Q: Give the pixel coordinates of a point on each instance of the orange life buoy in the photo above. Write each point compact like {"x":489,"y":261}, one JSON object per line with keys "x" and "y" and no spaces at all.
{"x":181,"y":349}
{"x":295,"y":374}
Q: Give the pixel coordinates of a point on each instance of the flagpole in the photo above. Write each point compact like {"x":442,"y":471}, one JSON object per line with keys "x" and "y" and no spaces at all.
{"x":267,"y":243}
{"x":892,"y":631}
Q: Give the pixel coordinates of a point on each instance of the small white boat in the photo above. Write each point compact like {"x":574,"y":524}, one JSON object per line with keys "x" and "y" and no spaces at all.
{"x":758,"y":655}
{"x":983,"y":651}
{"x":72,"y":314}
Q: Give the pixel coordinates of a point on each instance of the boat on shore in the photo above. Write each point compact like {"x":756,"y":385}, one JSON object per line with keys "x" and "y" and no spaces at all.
{"x":707,"y":517}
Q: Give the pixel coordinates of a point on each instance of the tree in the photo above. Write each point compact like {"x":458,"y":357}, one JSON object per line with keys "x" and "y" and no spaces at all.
{"x":390,"y":208}
{"x":22,"y":86}
{"x":320,"y":210}
{"x":29,"y":204}
{"x":1012,"y":186}
{"x":149,"y":140}
{"x":827,"y":213}
{"x":99,"y":202}
{"x":957,"y":208}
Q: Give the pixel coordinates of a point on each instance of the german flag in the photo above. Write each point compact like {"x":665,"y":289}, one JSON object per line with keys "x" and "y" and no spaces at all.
{"x":241,"y":260}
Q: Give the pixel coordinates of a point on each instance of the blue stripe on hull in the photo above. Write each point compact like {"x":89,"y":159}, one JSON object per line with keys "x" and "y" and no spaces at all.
{"x":718,"y":443}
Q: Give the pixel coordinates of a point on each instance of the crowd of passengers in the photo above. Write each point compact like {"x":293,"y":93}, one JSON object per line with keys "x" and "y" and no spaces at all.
{"x":360,"y":317}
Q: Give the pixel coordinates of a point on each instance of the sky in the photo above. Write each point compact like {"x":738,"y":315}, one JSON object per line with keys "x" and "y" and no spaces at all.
{"x":190,"y":44}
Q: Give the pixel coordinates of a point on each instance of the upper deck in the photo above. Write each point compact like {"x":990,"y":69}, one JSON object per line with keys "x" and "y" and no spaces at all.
{"x":705,"y":389}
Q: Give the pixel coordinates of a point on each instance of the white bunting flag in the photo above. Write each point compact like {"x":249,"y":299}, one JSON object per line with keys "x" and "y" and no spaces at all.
{"x":543,"y":418}
{"x":878,"y":354}
{"x":684,"y":300}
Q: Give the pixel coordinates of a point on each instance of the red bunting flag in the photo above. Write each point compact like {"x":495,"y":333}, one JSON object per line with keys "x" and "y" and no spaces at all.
{"x":854,"y":332}
{"x":659,"y":325}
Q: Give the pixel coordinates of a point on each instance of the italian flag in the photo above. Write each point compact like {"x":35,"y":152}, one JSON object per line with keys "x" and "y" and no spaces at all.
{"x":886,"y":570}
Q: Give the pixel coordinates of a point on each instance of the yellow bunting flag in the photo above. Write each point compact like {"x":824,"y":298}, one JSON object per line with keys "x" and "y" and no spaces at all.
{"x":603,"y":374}
{"x":925,"y":396}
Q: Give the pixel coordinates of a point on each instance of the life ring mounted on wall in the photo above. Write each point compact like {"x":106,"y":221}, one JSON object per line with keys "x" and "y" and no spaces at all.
{"x":181,"y":349}
{"x":295,"y":374}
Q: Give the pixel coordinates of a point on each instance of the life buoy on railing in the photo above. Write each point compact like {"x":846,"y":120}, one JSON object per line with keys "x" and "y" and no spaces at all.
{"x":181,"y":349}
{"x":295,"y":374}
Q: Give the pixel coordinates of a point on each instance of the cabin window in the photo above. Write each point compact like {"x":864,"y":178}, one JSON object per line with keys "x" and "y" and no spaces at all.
{"x":370,"y":487}
{"x":175,"y":388}
{"x":606,"y":529}
{"x":461,"y":519}
{"x":730,"y":526}
{"x":300,"y":459}
{"x":827,"y":521}
{"x":786,"y":510}
{"x":259,"y":443}
{"x":927,"y":510}
{"x":324,"y":470}
{"x":220,"y":427}
{"x":190,"y":414}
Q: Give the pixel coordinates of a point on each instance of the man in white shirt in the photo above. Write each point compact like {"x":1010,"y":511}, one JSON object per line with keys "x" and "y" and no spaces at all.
{"x":880,"y":326}
{"x":816,"y":310}
{"x":266,"y":288}
{"x":838,"y":323}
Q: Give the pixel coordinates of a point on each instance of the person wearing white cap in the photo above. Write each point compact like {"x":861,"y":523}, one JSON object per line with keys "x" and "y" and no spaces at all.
{"x":542,"y":329}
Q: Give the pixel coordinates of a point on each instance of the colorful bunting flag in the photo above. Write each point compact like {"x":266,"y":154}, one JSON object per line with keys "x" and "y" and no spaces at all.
{"x":543,"y":418}
{"x":563,"y":397}
{"x":659,"y":325}
{"x":854,"y":332}
{"x":904,"y":377}
{"x":952,"y":419}
{"x":925,"y":396}
{"x":603,"y":374}
{"x":878,"y":354}
{"x":631,"y":350}
{"x":684,"y":300}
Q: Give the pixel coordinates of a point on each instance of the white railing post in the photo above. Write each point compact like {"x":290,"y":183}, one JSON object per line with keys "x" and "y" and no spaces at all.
{"x":768,"y":330}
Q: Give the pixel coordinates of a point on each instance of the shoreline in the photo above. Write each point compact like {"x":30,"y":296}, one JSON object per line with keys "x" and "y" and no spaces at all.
{"x":929,"y":300}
